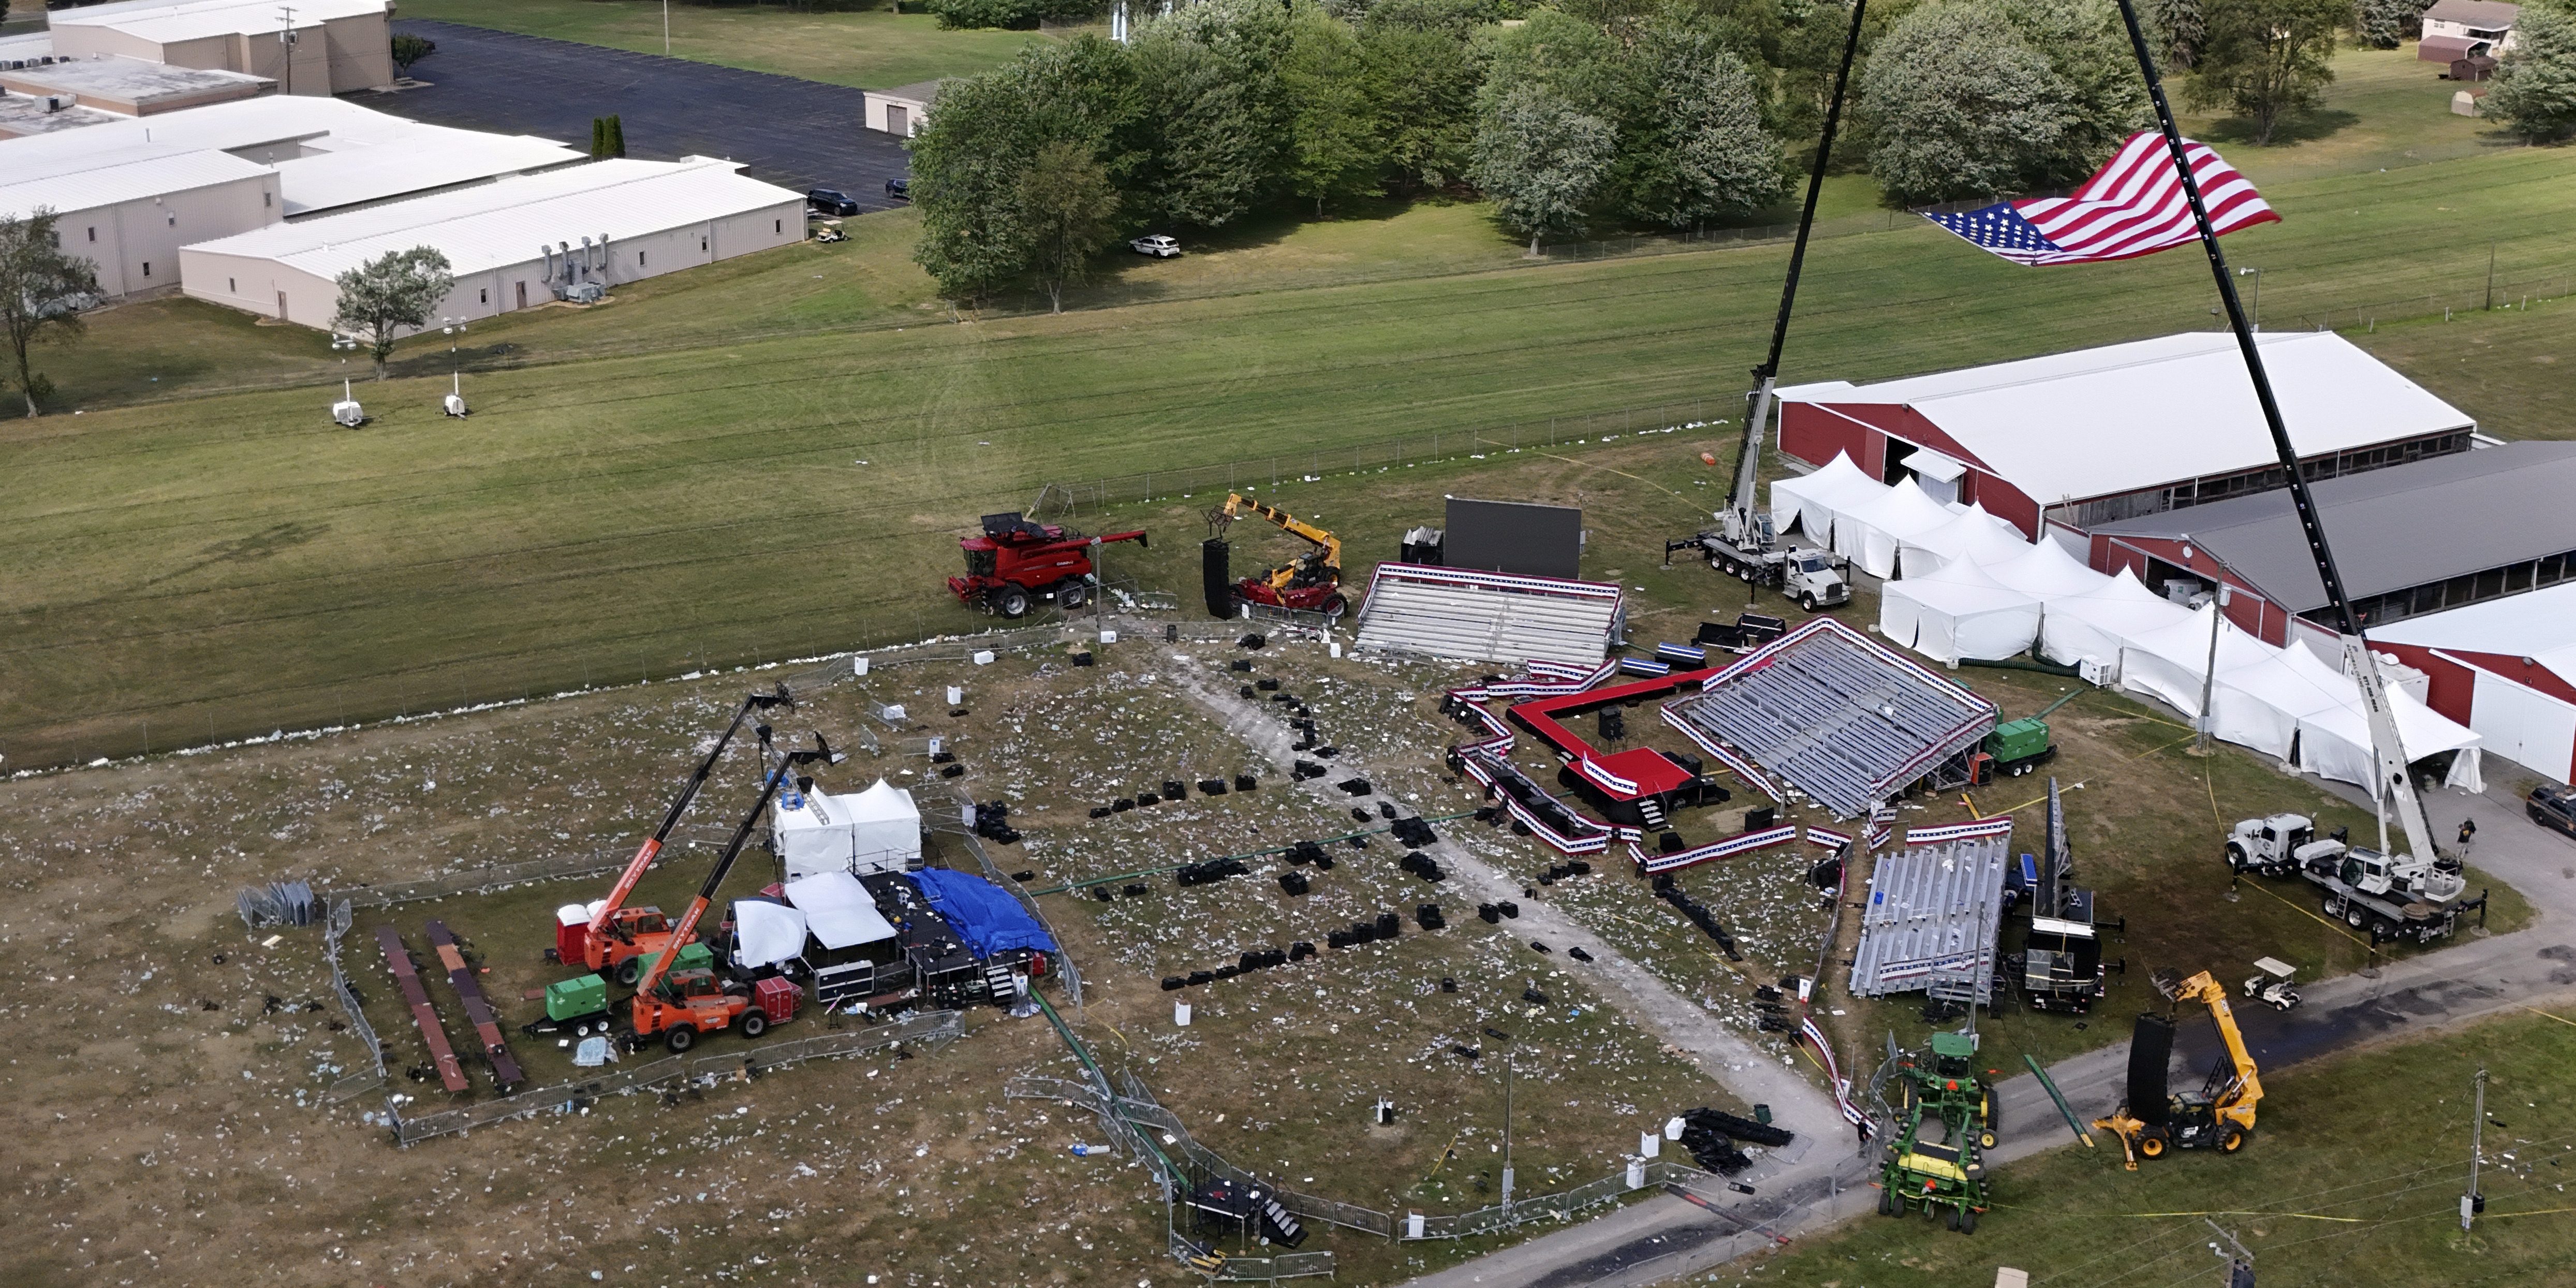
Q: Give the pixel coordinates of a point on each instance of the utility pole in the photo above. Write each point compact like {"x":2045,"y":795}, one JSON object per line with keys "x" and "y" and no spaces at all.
{"x":1508,"y":1063}
{"x":2473,"y":1202}
{"x":2491,"y":275}
{"x":666,"y":28}
{"x":2209,"y":675}
{"x":286,"y":46}
{"x":2240,"y":1265}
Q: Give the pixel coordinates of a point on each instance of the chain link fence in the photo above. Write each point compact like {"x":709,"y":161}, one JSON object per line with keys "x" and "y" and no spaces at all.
{"x":335,"y":927}
{"x":930,"y":1030}
{"x":1067,"y":499}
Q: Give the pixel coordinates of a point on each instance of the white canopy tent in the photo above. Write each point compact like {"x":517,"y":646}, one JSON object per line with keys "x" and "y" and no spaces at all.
{"x":2046,"y":572}
{"x":2335,"y":742}
{"x":878,"y":830}
{"x":1958,"y":614}
{"x":838,"y":910}
{"x":1816,"y":502}
{"x":766,"y":932}
{"x":1971,"y":533}
{"x":2100,"y":622}
{"x":1869,"y":537}
{"x":2261,"y":703}
{"x":2171,"y":663}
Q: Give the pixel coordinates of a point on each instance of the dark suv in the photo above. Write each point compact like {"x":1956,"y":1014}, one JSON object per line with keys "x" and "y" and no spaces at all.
{"x":899,"y":189}
{"x":2553,"y":808}
{"x":830,"y":201}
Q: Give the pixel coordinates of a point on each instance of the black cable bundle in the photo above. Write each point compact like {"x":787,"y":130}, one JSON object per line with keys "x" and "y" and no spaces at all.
{"x":1743,"y":1129}
{"x":1355,"y":786}
{"x":1671,"y":892}
{"x":1412,"y":831}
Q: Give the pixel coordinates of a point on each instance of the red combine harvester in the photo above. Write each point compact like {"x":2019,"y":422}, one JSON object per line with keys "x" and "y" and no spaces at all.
{"x":1016,"y":563}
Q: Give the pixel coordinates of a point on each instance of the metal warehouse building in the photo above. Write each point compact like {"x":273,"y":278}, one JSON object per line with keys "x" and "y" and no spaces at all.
{"x":511,"y":244}
{"x":318,"y":47}
{"x":2411,"y":541}
{"x":2080,"y":439}
{"x":129,"y":209}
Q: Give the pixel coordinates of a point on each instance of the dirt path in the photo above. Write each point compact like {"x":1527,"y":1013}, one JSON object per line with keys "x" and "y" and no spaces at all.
{"x":1725,"y":1056}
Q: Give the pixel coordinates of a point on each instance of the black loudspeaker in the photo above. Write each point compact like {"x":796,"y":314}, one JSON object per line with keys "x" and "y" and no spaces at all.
{"x":1216,"y":576}
{"x":2149,"y":1050}
{"x":1757,"y":819}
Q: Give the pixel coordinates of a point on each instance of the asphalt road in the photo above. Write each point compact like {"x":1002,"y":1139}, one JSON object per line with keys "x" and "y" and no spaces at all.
{"x":2477,"y":976}
{"x":797,"y":134}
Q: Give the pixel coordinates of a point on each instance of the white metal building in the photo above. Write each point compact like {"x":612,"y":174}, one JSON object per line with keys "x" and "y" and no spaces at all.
{"x":329,"y":154}
{"x":129,"y":86}
{"x":510,"y":243}
{"x":128,"y":209}
{"x":332,"y":46}
{"x":900,"y":111}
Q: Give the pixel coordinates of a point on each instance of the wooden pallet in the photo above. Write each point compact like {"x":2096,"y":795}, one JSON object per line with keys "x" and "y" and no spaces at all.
{"x":398,"y":960}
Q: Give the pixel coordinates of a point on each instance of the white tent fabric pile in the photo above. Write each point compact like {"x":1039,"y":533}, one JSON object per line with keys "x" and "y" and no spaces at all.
{"x":1960,"y":613}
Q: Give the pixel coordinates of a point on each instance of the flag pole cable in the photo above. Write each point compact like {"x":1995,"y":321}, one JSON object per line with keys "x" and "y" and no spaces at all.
{"x":1758,"y":416}
{"x":2300,"y":500}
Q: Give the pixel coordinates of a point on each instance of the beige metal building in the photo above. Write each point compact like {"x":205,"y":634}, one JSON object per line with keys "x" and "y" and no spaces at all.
{"x":513,"y":244}
{"x":324,"y":47}
{"x":900,"y":111}
{"x":129,"y":209}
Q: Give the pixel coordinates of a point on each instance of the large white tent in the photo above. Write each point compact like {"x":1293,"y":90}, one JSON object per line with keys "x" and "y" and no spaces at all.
{"x":766,"y":932}
{"x":878,"y":830}
{"x":839,"y":911}
{"x":2046,"y":572}
{"x":2171,"y":663}
{"x":1971,"y":533}
{"x":2335,"y":743}
{"x":1869,"y":537}
{"x":2096,"y":625}
{"x":1816,"y":502}
{"x":1958,"y":613}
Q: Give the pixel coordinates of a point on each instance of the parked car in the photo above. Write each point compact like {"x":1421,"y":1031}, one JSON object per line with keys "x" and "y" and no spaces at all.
{"x":1157,"y":245}
{"x":899,"y":189}
{"x":830,"y":201}
{"x":2553,"y":808}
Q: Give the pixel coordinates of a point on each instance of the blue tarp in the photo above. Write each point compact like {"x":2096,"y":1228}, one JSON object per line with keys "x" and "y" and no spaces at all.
{"x":982,"y":913}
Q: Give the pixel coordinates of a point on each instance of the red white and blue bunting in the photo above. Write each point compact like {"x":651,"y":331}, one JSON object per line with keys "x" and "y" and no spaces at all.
{"x":1729,"y":848}
{"x":1834,"y":1075}
{"x":1719,"y":751}
{"x":1959,"y":831}
{"x":1827,"y":837}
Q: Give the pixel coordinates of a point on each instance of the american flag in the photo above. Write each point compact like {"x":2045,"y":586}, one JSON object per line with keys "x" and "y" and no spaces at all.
{"x":2133,"y":206}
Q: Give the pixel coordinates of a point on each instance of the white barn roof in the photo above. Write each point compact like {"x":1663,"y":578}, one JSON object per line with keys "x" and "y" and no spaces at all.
{"x":103,"y":177}
{"x":167,"y":21}
{"x":503,"y":223}
{"x":2097,"y":422}
{"x":328,"y":153}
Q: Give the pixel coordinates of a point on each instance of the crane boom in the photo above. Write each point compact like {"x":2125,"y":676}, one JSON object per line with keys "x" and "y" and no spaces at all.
{"x":1757,"y":415}
{"x":652,"y":847}
{"x":685,"y":933}
{"x":1326,"y":543}
{"x":2393,"y":786}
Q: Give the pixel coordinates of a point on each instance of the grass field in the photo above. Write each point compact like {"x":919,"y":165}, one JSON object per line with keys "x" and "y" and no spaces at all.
{"x":877,"y":49}
{"x":2353,"y":1177}
{"x":641,"y":482}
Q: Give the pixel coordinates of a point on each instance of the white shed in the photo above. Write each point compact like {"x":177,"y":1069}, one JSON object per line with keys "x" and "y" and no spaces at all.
{"x":877,"y":830}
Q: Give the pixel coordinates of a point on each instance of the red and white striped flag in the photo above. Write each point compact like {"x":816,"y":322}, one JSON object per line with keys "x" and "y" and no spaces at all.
{"x":2133,"y":206}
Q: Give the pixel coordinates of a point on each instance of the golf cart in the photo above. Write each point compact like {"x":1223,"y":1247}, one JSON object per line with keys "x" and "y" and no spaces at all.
{"x":2271,"y":983}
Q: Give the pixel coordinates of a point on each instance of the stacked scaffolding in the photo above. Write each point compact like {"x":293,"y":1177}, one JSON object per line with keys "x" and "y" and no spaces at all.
{"x":1929,"y":924}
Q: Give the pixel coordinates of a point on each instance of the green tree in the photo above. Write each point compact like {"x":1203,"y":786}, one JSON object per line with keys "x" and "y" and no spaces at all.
{"x":394,"y":292}
{"x":2266,"y":59}
{"x":1702,"y":152}
{"x":407,"y":49}
{"x":1423,"y":73}
{"x":2383,"y":24}
{"x":1335,"y":152}
{"x":1012,"y":14}
{"x":616,"y":136}
{"x":2535,"y":84}
{"x":1540,"y":159}
{"x":41,"y":291}
{"x":2175,"y":31}
{"x":1208,"y":75}
{"x":1071,"y":213}
{"x":1960,"y":105}
{"x":2087,"y":47}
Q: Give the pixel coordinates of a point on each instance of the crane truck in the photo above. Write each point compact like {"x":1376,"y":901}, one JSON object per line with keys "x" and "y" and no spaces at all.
{"x":1312,"y":582}
{"x":1014,"y":563}
{"x":682,"y":1005}
{"x":1743,"y":545}
{"x":615,"y":939}
{"x":2153,"y":1120}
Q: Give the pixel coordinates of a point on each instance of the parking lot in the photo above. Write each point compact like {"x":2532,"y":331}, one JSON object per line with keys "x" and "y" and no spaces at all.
{"x":795,"y":133}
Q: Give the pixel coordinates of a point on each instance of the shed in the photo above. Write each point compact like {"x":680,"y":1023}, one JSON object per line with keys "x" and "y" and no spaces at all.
{"x":2506,"y":668}
{"x":903,"y":110}
{"x":878,"y":830}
